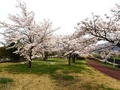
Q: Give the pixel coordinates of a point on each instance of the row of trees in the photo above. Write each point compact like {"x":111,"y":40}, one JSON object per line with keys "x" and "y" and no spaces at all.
{"x":92,"y":30}
{"x":32,"y":39}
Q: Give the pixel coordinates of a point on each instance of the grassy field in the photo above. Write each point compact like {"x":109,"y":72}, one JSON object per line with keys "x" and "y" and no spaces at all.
{"x":55,"y":74}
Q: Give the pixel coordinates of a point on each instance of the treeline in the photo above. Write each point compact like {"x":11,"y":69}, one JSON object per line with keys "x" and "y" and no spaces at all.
{"x":8,"y":55}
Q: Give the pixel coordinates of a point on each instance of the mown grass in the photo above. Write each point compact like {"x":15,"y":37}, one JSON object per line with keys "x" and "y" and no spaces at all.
{"x":0,"y":70}
{"x":58,"y":70}
{"x":50,"y":67}
{"x":47,"y":67}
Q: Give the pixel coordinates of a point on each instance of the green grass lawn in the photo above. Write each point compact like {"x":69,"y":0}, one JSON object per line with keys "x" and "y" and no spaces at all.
{"x":51,"y":67}
{"x":116,"y":57}
{"x":78,"y":76}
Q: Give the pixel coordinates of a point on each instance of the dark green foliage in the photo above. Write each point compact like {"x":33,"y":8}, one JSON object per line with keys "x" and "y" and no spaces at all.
{"x":3,"y":53}
{"x":5,"y":80}
{"x":13,"y":57}
{"x":91,"y":57}
{"x":80,"y":57}
{"x":8,"y":55}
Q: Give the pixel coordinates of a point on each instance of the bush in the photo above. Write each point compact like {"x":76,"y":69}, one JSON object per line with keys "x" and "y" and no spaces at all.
{"x":80,"y":57}
{"x":8,"y":55}
{"x":91,"y":57}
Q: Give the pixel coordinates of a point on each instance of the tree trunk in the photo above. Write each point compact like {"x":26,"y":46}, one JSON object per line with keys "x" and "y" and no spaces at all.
{"x":73,"y":58}
{"x":30,"y":64}
{"x":30,"y":61}
{"x":118,"y":45}
{"x":69,"y":61}
{"x":45,"y":56}
{"x":114,"y":62}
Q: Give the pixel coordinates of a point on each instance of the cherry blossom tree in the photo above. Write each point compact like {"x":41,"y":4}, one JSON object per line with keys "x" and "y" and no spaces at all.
{"x":107,"y":28}
{"x":46,"y":48}
{"x":107,"y":51}
{"x":116,"y":12}
{"x":71,"y":46}
{"x":27,"y":35}
{"x":67,"y":48}
{"x":98,"y":28}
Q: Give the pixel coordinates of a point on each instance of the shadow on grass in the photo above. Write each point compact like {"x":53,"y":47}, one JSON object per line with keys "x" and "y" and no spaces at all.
{"x":44,"y":68}
{"x":5,"y":80}
{"x":50,"y":67}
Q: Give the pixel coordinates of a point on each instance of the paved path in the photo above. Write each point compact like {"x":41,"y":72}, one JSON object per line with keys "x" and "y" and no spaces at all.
{"x":108,"y":71}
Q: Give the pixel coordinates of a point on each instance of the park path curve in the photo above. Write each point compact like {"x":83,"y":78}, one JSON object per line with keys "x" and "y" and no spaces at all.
{"x":106,"y":70}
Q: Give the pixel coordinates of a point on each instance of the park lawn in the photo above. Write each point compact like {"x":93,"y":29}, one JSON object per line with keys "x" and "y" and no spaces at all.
{"x":55,"y":74}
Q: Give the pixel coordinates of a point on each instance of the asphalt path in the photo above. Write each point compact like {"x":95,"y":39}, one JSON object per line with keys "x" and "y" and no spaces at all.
{"x":106,"y":70}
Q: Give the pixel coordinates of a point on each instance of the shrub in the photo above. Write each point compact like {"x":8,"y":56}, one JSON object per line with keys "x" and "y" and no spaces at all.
{"x":80,"y":57}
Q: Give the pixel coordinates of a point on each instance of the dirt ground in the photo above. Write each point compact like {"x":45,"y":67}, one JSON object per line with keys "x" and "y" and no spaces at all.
{"x":29,"y":82}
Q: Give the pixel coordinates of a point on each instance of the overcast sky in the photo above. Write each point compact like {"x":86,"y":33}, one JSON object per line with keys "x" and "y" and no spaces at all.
{"x":63,"y":13}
